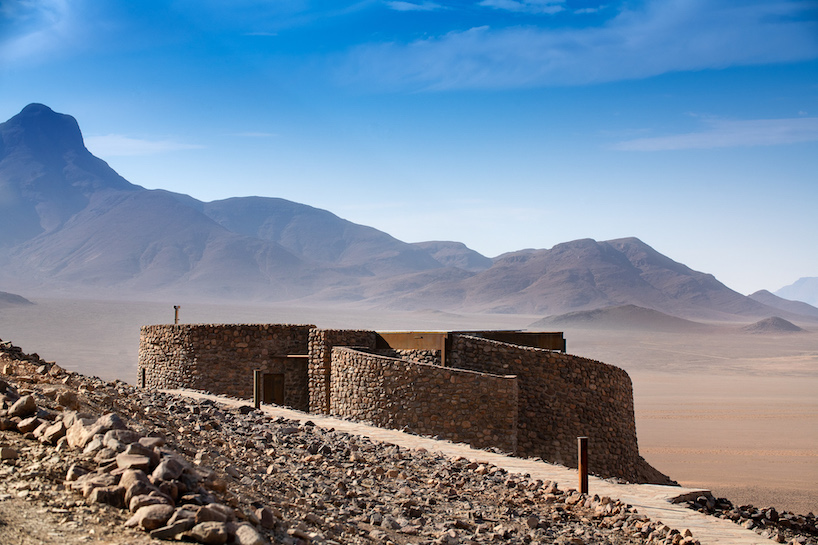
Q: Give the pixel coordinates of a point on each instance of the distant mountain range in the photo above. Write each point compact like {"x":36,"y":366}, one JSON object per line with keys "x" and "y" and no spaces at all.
{"x":71,"y":225}
{"x":803,"y":289}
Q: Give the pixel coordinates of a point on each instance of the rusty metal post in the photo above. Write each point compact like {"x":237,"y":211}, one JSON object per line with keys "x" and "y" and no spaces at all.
{"x":582,"y":457}
{"x":257,"y":388}
{"x":176,"y":313}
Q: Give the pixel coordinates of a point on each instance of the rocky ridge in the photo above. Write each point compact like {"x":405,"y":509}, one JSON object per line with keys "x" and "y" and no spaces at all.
{"x":84,"y":460}
{"x":768,"y":522}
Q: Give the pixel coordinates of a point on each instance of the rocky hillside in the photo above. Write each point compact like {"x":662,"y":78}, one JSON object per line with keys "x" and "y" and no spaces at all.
{"x":101,"y":462}
{"x":118,"y":464}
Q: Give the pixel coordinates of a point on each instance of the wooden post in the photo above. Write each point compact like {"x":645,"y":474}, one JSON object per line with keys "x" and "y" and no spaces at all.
{"x":582,"y":457}
{"x":176,"y":313}
{"x":257,"y":378}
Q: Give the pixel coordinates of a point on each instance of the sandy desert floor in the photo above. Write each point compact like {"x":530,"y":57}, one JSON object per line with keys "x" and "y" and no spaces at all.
{"x":729,"y":411}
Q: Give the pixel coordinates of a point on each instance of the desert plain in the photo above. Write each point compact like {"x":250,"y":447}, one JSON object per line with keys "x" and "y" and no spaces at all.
{"x":721,"y":408}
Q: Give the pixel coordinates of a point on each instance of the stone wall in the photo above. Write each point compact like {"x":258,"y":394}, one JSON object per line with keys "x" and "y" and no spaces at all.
{"x":431,"y":357}
{"x":562,"y":397}
{"x":321,"y":343}
{"x":554,"y":398}
{"x":475,"y":408}
{"x":220,"y":358}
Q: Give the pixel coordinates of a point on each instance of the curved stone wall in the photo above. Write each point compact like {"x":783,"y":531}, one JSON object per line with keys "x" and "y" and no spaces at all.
{"x":563,"y":397}
{"x":321,"y":343}
{"x":475,"y":408}
{"x":221,"y":358}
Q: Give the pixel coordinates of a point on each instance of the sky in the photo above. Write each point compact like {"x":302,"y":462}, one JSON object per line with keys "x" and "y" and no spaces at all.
{"x":502,"y":124}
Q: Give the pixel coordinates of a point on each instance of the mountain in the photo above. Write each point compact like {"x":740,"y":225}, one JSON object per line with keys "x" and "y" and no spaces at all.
{"x":455,"y":254}
{"x":12,"y":300}
{"x":774,"y":301}
{"x":46,"y":173}
{"x":628,"y":317}
{"x":69,"y":224}
{"x":318,"y":235}
{"x":803,"y":289}
{"x":586,"y":275}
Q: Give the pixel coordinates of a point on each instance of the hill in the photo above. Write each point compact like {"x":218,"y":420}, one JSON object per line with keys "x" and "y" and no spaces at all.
{"x":12,"y":300}
{"x":630,"y":317}
{"x":774,"y":301}
{"x":772,"y":325}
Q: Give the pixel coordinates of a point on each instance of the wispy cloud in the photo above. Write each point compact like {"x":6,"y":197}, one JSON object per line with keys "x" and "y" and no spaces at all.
{"x":526,"y":6}
{"x":411,"y":6}
{"x":111,"y":145}
{"x":31,"y":29}
{"x":729,"y":134}
{"x":660,"y":37}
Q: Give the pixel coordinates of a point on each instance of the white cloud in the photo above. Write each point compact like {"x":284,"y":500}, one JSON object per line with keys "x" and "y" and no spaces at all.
{"x":111,"y":145}
{"x":526,"y":6}
{"x":664,"y":36}
{"x":409,"y":6}
{"x":589,"y":10}
{"x":729,"y":134}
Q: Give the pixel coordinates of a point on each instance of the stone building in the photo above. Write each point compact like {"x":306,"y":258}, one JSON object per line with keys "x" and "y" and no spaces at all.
{"x":517,"y":391}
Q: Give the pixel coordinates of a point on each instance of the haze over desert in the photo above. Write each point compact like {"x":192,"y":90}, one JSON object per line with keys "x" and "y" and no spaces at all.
{"x":724,"y":410}
{"x":639,"y":175}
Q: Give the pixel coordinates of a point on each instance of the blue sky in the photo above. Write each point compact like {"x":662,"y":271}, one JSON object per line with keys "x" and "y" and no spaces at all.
{"x":504,"y":124}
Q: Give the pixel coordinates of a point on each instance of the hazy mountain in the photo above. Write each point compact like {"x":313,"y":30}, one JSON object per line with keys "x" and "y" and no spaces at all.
{"x":69,"y":223}
{"x":586,"y":275}
{"x":803,"y":289}
{"x":455,"y":254}
{"x":12,"y":300}
{"x":46,"y":173}
{"x":772,"y":325}
{"x":774,"y":301}
{"x":620,"y":317}
{"x":320,"y":236}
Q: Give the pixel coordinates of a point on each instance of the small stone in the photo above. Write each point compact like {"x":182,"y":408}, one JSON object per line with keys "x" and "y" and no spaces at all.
{"x":23,"y":407}
{"x":133,"y":461}
{"x":168,"y":469}
{"x":8,"y":453}
{"x":68,"y":399}
{"x":28,"y":425}
{"x":150,"y":517}
{"x":209,"y":533}
{"x":265,"y":517}
{"x":247,"y":535}
{"x":143,"y":500}
{"x":110,"y":495}
{"x":75,"y":472}
{"x":173,"y":529}
{"x":54,"y":433}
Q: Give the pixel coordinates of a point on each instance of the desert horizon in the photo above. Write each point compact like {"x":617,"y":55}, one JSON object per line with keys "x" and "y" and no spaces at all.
{"x":727,"y":410}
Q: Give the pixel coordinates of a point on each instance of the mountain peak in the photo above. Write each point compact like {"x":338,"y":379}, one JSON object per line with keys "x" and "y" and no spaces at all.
{"x":42,"y":130}
{"x":46,"y":173}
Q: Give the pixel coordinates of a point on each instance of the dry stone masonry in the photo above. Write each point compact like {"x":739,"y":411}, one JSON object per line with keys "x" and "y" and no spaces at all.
{"x":527,"y":401}
{"x":463,"y":406}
